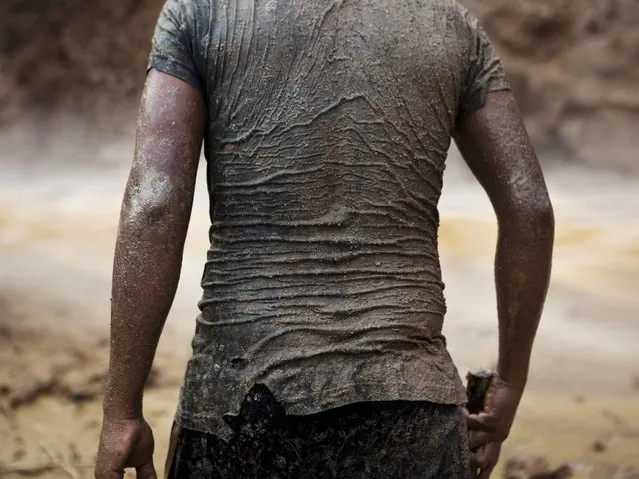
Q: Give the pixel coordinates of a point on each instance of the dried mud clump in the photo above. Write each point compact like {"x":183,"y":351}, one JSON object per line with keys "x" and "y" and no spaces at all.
{"x":535,"y":468}
{"x":38,"y":362}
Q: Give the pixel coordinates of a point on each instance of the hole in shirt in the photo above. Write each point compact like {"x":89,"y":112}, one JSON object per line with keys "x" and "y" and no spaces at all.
{"x":237,"y":361}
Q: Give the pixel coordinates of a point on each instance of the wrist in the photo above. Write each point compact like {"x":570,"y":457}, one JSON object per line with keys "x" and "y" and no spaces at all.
{"x":122,"y":413}
{"x":515,"y":386}
{"x":122,"y":409}
{"x":513,"y":379}
{"x":120,"y":403}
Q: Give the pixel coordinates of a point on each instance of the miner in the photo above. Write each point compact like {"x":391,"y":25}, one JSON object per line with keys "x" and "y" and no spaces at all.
{"x":318,"y":351}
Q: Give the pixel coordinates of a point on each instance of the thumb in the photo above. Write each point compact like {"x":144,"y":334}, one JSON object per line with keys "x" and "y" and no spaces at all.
{"x":147,"y":471}
{"x":480,"y":422}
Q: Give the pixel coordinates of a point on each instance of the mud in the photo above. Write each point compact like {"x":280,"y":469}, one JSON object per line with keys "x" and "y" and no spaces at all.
{"x":52,"y":377}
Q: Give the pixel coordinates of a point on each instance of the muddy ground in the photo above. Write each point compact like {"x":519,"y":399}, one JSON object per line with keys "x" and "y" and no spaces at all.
{"x":58,"y":220}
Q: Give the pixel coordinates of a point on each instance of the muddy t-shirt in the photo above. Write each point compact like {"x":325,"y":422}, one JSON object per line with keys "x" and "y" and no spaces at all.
{"x":329,"y":123}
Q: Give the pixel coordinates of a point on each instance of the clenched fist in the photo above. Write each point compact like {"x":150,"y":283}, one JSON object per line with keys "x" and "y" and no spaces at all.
{"x":125,"y":443}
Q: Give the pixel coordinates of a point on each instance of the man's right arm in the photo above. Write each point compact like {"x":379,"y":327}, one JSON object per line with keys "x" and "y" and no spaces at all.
{"x":496,"y":146}
{"x":148,"y":256}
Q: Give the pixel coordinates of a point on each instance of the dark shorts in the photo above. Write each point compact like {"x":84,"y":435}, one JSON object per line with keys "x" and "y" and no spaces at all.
{"x":395,"y":439}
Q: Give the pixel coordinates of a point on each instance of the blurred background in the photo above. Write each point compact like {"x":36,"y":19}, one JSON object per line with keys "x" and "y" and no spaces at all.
{"x":71,"y":72}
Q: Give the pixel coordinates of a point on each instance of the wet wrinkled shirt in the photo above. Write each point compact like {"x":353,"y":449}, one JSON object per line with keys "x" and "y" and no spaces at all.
{"x":329,"y":123}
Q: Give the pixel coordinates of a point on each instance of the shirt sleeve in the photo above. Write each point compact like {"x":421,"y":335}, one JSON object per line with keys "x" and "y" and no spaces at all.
{"x":485,"y":71}
{"x":172,"y":49}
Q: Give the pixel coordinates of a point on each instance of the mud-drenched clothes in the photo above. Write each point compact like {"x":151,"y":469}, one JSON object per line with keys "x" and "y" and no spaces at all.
{"x":329,"y":123}
{"x":366,"y":440}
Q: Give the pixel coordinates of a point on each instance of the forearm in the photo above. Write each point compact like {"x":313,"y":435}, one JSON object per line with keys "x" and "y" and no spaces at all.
{"x":522,"y":273}
{"x":145,"y":277}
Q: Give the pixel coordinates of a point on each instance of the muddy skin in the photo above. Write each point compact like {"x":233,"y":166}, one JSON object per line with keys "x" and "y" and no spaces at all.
{"x":326,"y":127}
{"x":153,"y":224}
{"x":497,"y":149}
{"x":496,"y":146}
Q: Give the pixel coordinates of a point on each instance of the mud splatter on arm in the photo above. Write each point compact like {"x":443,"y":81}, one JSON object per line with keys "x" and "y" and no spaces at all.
{"x":153,"y":225}
{"x":495,"y":144}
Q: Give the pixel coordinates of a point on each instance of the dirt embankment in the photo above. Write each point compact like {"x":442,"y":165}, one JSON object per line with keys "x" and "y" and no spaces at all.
{"x":72,"y":55}
{"x":574,"y":65}
{"x":575,"y":69}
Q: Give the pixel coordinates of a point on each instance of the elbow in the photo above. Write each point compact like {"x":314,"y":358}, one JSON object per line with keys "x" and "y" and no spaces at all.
{"x":155,"y":216}
{"x":542,"y":218}
{"x":151,"y":212}
{"x":533,"y":219}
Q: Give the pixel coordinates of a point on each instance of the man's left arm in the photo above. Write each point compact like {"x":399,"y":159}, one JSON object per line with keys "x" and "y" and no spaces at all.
{"x":153,"y":224}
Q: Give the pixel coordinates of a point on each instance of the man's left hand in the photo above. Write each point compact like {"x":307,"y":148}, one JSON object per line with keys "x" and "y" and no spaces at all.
{"x":490,"y":428}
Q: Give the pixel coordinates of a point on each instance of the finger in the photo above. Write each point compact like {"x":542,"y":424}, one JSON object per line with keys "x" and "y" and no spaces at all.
{"x":489,"y":454}
{"x":475,"y":465}
{"x":474,"y":461}
{"x":486,"y":472}
{"x":479,"y":457}
{"x":480,"y":422}
{"x":477,"y":439}
{"x":474,"y":469}
{"x":146,"y":472}
{"x":487,"y":457}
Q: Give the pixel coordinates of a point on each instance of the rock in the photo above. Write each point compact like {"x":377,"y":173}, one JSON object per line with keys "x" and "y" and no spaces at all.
{"x":599,"y":446}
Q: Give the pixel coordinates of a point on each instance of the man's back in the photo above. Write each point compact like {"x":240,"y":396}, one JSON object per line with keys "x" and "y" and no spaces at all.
{"x":329,"y":125}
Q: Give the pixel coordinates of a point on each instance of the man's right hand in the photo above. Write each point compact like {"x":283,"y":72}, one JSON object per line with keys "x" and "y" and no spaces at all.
{"x":125,"y":443}
{"x":491,"y":427}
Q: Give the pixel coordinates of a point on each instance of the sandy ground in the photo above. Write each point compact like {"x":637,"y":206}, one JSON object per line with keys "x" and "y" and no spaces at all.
{"x":57,"y":230}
